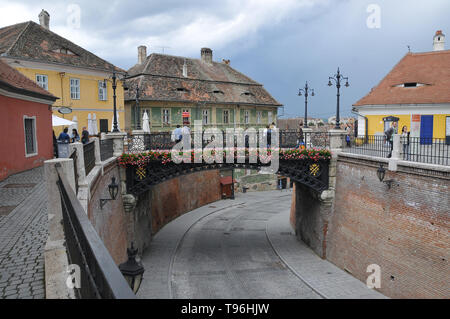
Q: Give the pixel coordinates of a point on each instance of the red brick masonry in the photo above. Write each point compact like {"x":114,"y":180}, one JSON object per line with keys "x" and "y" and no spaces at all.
{"x":405,"y":230}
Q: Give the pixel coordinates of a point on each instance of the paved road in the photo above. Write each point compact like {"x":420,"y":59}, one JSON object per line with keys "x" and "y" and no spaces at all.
{"x":241,"y":249}
{"x":23,"y":232}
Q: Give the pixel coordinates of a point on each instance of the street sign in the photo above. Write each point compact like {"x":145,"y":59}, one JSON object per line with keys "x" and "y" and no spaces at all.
{"x":65,"y":110}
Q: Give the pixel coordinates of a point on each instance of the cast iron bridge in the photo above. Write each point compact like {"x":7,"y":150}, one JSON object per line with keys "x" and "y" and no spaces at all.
{"x":313,"y":174}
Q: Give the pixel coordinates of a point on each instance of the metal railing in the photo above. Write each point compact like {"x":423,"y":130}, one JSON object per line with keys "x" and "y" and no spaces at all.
{"x":100,"y":278}
{"x":425,"y":150}
{"x":372,"y":145}
{"x":287,"y":139}
{"x":89,"y":156}
{"x":106,"y":149}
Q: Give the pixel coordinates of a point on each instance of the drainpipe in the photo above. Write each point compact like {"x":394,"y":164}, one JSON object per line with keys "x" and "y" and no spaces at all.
{"x":366,"y":122}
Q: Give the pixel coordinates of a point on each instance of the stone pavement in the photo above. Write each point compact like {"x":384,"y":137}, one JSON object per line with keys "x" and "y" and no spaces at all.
{"x":325,"y":278}
{"x":241,"y":249}
{"x":23,"y":232}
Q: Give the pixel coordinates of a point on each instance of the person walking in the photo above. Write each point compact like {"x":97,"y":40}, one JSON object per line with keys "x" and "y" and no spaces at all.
{"x":389,"y":134}
{"x":405,"y":142}
{"x":75,"y":137}
{"x":84,"y":136}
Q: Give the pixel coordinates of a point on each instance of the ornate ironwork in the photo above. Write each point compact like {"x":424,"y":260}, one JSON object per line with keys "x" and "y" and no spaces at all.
{"x":307,"y":172}
{"x":106,"y":149}
{"x":136,"y":144}
{"x":89,"y":156}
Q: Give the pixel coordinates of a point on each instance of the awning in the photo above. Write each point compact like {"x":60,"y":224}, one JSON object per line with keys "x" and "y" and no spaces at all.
{"x":58,"y":121}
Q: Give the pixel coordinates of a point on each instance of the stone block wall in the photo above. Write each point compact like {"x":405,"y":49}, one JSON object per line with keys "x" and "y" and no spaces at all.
{"x":405,"y":229}
{"x":182,"y":194}
{"x":110,"y":222}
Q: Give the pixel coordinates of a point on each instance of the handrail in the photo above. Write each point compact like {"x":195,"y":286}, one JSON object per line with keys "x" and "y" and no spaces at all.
{"x":100,"y":276}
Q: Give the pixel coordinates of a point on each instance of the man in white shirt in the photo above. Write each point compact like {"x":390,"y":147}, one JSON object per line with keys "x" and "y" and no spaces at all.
{"x":177,"y":134}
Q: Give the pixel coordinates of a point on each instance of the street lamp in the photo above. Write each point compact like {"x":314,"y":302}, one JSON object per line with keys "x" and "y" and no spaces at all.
{"x":138,"y":116}
{"x":132,"y":270}
{"x":337,"y":78}
{"x":305,"y":91}
{"x":114,"y":87}
{"x":113,"y":189}
{"x":381,"y":172}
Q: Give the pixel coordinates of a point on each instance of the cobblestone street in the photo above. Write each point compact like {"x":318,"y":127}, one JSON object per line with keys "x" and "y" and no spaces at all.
{"x":23,"y":232}
{"x":244,"y":248}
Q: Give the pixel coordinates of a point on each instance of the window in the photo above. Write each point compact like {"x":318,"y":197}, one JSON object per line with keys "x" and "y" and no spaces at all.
{"x":269,"y":116}
{"x":186,"y":116}
{"x":166,"y":116}
{"x":205,"y":118}
{"x":102,"y":93}
{"x":75,"y":89}
{"x":246,"y":117}
{"x":42,"y":81}
{"x":226,"y":117}
{"x":258,"y":117}
{"x":29,"y":124}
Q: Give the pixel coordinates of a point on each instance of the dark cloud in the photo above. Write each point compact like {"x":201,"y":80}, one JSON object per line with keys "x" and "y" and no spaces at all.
{"x":279,"y":44}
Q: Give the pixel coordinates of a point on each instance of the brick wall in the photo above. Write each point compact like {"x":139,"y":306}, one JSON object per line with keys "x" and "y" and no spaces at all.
{"x":405,"y":229}
{"x":111,"y":222}
{"x":154,"y":209}
{"x":183,"y":194}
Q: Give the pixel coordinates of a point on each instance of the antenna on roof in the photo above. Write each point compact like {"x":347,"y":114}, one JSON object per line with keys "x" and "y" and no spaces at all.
{"x":164,"y":47}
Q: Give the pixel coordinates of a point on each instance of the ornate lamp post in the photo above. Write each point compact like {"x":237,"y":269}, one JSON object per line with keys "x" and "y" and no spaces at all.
{"x":114,"y":86}
{"x":305,"y":91}
{"x":138,"y":113}
{"x":337,"y":78}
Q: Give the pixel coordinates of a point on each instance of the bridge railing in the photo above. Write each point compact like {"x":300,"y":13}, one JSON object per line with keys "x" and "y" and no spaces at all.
{"x":100,"y":278}
{"x":372,"y":145}
{"x":89,"y":156}
{"x":287,"y":139}
{"x":425,"y":150}
{"x":415,"y":149}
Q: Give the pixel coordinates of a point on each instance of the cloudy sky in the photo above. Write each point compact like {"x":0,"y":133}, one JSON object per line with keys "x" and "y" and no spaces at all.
{"x":280,"y":44}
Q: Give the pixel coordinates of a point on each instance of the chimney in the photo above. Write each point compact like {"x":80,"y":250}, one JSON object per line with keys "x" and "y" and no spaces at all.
{"x":44,"y":19}
{"x":439,"y":41}
{"x":142,"y":54}
{"x":206,"y":55}
{"x":185,"y":69}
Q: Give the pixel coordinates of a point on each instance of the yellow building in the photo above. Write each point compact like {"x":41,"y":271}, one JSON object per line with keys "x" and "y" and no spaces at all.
{"x":81,"y":80}
{"x":416,"y":91}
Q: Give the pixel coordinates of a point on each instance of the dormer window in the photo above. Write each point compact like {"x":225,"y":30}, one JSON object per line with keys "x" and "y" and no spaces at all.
{"x":248,"y":93}
{"x":410,"y":85}
{"x":182,"y":90}
{"x":217,"y":92}
{"x":64,"y":51}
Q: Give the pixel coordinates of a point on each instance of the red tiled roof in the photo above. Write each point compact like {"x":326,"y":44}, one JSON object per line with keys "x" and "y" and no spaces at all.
{"x":13,"y":80}
{"x":430,"y":68}
{"x":30,"y":41}
{"x":160,"y":78}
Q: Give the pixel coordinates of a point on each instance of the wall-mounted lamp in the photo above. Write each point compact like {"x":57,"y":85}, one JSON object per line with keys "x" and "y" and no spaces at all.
{"x":132,"y":270}
{"x":113,"y":189}
{"x":381,"y":172}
